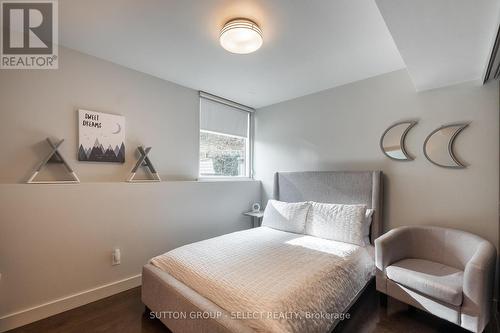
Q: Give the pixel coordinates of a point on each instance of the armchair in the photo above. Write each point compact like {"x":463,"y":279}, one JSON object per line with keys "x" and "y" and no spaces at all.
{"x":446,"y":272}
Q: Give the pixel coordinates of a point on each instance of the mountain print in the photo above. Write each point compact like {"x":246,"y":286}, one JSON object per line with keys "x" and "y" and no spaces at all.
{"x":101,"y":137}
{"x":98,"y":154}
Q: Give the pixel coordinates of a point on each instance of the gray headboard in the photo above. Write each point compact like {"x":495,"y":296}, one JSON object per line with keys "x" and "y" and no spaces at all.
{"x":342,"y":187}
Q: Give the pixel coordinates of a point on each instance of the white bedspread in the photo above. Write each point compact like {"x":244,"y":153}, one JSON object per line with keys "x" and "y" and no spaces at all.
{"x":273,"y":280}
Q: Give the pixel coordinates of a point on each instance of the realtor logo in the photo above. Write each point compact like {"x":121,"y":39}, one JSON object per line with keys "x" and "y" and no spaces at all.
{"x":29,"y":35}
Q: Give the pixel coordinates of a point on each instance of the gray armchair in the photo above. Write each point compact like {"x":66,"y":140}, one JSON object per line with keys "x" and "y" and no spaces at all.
{"x":446,"y":272}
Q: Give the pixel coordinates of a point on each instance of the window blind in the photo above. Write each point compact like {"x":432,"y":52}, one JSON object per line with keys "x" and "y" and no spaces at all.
{"x":222,"y":118}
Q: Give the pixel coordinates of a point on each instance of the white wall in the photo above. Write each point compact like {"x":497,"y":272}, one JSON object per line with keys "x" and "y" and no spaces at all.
{"x":340,"y":128}
{"x":56,"y":240}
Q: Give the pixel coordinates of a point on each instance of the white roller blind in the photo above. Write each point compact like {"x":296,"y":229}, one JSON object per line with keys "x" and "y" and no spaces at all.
{"x":221,"y":118}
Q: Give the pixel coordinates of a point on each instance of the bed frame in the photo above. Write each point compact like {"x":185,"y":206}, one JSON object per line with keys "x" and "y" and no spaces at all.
{"x":171,"y":300}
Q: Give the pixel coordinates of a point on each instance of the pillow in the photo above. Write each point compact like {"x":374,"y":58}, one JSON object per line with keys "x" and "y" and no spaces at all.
{"x":286,"y":216}
{"x":368,"y":223}
{"x":344,"y":223}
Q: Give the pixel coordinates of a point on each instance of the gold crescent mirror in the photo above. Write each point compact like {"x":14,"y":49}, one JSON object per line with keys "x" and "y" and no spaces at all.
{"x":392,"y":141}
{"x":438,"y":146}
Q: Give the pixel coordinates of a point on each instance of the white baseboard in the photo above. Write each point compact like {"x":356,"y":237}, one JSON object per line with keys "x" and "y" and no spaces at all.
{"x":51,"y":308}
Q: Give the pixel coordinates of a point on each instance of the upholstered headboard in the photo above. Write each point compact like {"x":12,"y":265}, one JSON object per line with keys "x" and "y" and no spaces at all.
{"x":342,"y":187}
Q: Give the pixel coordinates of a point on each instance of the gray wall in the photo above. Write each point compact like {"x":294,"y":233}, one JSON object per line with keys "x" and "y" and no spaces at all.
{"x":40,"y":103}
{"x":339,"y":129}
{"x":56,"y":240}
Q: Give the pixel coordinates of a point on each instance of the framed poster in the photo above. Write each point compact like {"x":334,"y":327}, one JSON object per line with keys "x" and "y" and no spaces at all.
{"x":101,"y":137}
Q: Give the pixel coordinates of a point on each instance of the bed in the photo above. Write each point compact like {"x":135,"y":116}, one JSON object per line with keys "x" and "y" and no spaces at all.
{"x":267,"y":280}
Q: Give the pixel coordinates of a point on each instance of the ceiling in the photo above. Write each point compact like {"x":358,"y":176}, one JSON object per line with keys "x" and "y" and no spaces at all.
{"x":307,"y":48}
{"x":443,"y":42}
{"x":308,"y":45}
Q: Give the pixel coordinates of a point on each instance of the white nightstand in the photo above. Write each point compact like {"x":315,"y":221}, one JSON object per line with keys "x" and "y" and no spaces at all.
{"x":256,"y":217}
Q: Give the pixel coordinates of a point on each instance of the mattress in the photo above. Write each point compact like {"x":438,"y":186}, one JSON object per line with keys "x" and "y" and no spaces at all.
{"x":274,"y":281}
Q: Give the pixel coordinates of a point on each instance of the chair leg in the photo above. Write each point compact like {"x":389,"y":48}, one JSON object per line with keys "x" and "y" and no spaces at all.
{"x":395,"y":306}
{"x":147,"y":310}
{"x":383,"y":299}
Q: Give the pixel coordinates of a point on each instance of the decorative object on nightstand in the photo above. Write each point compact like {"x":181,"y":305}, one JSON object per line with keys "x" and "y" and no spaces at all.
{"x":54,"y":157}
{"x":256,"y":207}
{"x":256,"y":217}
{"x":146,"y":162}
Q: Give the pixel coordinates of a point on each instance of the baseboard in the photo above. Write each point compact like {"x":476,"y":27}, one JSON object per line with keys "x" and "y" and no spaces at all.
{"x":51,"y":308}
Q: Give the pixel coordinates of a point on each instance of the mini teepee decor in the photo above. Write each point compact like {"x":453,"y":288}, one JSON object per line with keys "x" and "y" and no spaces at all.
{"x":54,"y":157}
{"x":146,"y":162}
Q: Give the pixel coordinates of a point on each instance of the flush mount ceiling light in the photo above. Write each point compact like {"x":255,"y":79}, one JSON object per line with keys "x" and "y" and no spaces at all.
{"x":241,"y":36}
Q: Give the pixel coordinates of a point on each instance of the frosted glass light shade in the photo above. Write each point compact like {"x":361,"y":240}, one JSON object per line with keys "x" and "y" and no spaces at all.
{"x":241,"y":36}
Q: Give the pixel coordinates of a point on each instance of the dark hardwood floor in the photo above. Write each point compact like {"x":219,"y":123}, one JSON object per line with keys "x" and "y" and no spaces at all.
{"x":124,"y":313}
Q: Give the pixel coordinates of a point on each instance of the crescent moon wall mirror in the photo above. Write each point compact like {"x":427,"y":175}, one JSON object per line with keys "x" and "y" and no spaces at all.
{"x":438,"y":146}
{"x":392,"y":141}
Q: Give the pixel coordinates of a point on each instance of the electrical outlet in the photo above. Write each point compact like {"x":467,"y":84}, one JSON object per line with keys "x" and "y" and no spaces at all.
{"x":116,"y":257}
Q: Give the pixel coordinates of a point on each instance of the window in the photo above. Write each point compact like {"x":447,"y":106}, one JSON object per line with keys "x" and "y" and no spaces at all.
{"x":225,"y":141}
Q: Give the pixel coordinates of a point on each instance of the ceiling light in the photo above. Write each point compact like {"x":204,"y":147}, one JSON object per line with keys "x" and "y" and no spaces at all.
{"x":241,"y":36}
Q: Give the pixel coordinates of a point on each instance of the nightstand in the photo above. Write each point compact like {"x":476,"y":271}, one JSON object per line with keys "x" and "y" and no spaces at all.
{"x":256,"y":217}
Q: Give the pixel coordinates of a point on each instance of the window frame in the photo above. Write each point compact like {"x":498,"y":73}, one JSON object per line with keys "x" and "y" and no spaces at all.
{"x":249,"y":144}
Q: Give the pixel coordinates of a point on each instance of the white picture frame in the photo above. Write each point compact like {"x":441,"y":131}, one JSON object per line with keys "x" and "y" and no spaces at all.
{"x":101,"y":137}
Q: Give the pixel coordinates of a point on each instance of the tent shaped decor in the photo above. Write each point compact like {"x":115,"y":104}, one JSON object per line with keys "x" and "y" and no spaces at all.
{"x":145,"y":162}
{"x":54,"y":157}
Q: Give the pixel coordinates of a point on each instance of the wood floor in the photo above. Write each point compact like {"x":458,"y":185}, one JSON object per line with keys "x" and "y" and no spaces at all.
{"x":124,"y":313}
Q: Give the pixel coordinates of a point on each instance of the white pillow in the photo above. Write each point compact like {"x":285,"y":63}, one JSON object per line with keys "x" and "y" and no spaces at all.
{"x":368,"y":223}
{"x":344,"y":223}
{"x":286,"y":216}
